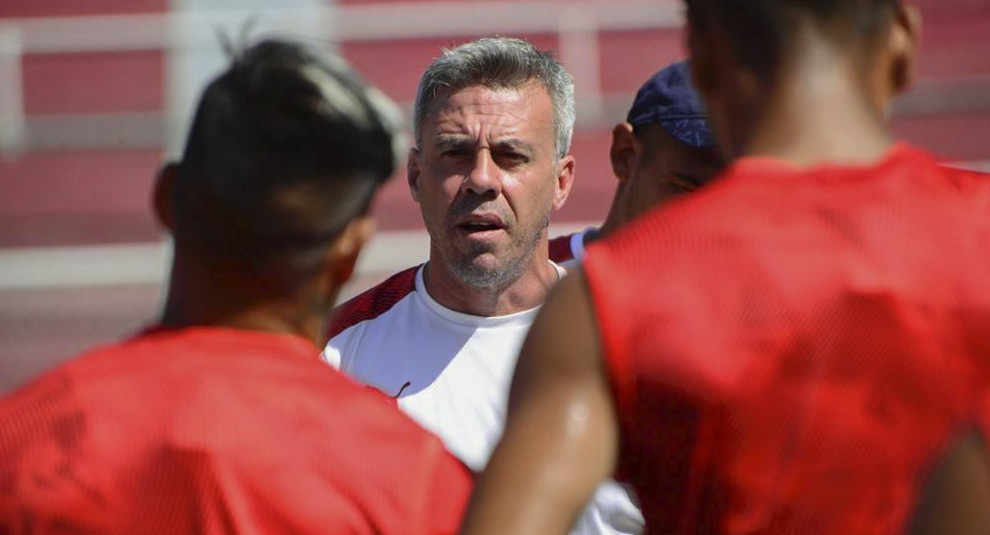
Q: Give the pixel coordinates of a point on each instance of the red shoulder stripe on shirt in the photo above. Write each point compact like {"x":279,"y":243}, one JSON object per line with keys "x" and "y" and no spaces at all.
{"x":374,"y":302}
{"x":560,"y":249}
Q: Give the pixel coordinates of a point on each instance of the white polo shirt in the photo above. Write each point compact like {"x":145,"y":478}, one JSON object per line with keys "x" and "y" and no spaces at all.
{"x":451,"y":372}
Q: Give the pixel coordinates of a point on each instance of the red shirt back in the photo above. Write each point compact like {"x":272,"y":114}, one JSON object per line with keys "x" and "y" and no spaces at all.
{"x":206,"y":430}
{"x":793,"y":351}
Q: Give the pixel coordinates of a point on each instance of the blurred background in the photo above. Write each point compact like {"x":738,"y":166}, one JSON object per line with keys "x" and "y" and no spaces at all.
{"x":96,"y":94}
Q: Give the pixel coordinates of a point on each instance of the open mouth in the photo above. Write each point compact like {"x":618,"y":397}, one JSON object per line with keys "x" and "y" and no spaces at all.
{"x":481,"y":224}
{"x":479,"y":227}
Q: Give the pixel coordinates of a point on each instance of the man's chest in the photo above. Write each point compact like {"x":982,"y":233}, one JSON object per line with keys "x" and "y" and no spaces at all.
{"x":455,"y":384}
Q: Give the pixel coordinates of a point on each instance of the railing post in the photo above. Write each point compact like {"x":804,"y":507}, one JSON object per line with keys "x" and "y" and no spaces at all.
{"x":580,"y":52}
{"x":12,"y":123}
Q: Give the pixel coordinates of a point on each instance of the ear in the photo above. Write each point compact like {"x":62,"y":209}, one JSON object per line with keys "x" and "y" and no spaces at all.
{"x":412,"y":173}
{"x":623,"y":151}
{"x":345,"y":250}
{"x":905,"y":37}
{"x":163,"y":198}
{"x":565,"y":179}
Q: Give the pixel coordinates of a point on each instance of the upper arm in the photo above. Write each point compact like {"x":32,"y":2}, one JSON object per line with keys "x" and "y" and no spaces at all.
{"x":955,"y":497}
{"x":561,"y":434}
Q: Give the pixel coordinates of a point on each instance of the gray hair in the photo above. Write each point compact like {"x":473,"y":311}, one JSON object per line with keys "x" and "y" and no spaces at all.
{"x":500,"y":63}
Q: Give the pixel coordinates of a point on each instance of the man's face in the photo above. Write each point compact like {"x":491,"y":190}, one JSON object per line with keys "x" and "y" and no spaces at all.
{"x":487,"y":177}
{"x":665,"y":168}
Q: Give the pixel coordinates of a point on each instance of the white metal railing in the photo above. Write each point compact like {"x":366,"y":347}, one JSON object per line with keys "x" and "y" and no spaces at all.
{"x":11,"y":91}
{"x":153,"y":31}
{"x":148,"y":263}
{"x":577,"y":25}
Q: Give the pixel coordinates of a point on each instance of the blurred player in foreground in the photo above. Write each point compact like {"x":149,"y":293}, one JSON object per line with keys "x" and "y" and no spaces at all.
{"x":222,"y":419}
{"x":801,"y":347}
{"x":666,"y":148}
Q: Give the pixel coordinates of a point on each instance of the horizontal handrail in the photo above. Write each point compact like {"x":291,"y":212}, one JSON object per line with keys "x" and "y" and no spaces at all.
{"x":159,"y":31}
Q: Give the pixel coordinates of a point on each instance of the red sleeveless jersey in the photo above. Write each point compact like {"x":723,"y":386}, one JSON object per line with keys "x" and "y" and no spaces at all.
{"x":793,"y":351}
{"x":207,"y":430}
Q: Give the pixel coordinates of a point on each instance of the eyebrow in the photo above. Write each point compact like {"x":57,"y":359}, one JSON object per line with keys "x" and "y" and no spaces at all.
{"x":453,"y":141}
{"x":447,"y":141}
{"x":514,"y":144}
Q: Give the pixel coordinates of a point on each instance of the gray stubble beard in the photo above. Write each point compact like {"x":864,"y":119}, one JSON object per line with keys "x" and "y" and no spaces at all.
{"x":480,"y":277}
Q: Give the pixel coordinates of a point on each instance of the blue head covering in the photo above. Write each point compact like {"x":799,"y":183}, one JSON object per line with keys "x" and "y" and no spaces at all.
{"x":670,"y":100}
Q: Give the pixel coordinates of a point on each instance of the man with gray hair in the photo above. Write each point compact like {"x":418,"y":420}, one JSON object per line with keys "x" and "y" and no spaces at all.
{"x":493,"y":125}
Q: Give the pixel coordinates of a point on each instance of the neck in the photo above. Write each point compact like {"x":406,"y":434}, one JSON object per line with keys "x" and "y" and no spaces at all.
{"x":525,"y":292}
{"x":820,"y":112}
{"x":617,"y":213}
{"x":200,"y":296}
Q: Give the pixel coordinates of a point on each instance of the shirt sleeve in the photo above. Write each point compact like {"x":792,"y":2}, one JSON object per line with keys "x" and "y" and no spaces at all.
{"x":341,"y":348}
{"x":331,"y":355}
{"x":344,"y":343}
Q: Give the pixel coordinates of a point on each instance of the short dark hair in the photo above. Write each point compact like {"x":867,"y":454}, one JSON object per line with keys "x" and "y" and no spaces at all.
{"x":762,"y":30}
{"x":286,"y":148}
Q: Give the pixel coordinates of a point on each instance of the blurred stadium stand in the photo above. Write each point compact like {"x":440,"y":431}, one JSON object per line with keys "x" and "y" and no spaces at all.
{"x":95,"y":93}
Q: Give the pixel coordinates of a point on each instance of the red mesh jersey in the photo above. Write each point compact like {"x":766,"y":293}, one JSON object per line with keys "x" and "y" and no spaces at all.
{"x":374,"y":302}
{"x":560,"y":249}
{"x":207,"y":430}
{"x":793,"y":350}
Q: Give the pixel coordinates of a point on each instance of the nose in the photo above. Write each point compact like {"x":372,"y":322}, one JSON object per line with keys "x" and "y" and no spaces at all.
{"x":484,"y":178}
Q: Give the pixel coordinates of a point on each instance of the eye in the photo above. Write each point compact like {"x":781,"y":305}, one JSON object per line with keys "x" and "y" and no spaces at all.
{"x":512,"y":158}
{"x":459,"y":152}
{"x":684,"y":182}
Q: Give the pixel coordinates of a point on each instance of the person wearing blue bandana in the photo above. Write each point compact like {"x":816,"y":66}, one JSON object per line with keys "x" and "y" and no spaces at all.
{"x":664,"y":149}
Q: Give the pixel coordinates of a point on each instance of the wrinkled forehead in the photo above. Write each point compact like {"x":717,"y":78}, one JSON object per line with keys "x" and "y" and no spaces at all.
{"x":524,"y":92}
{"x":492,"y":112}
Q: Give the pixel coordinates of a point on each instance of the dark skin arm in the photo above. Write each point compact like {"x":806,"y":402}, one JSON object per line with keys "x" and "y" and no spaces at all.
{"x":957,"y":493}
{"x":561,"y":437}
